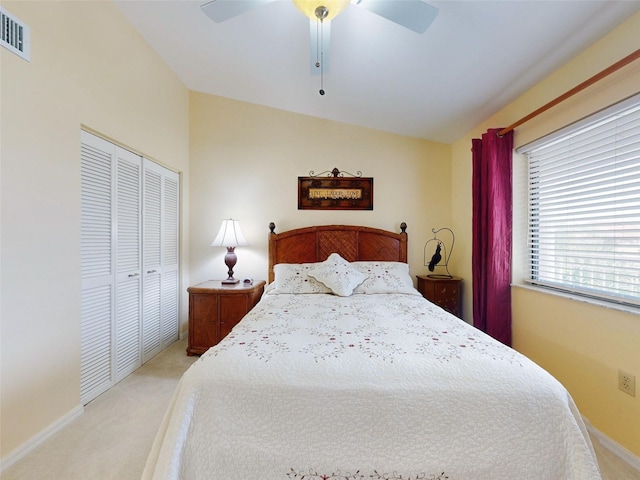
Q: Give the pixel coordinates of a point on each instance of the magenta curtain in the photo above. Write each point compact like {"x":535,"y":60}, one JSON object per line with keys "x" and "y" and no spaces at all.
{"x":492,"y":228}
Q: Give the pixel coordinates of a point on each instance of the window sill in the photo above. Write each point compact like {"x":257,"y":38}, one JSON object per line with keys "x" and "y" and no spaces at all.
{"x":578,"y":298}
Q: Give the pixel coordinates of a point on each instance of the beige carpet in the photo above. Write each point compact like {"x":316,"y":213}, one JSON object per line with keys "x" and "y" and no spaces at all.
{"x":112,"y":438}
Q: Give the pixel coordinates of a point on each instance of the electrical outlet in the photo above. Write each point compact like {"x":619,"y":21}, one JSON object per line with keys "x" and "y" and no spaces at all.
{"x":627,"y":383}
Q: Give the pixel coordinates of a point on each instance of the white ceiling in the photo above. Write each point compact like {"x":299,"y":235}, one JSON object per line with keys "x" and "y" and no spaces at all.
{"x":475,"y":58}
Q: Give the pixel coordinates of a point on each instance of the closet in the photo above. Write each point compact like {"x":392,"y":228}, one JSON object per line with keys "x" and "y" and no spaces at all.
{"x":129,"y":262}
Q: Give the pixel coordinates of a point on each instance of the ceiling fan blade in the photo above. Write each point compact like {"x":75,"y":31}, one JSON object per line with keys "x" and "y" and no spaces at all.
{"x":221,"y":10}
{"x":319,"y":40}
{"x":415,"y":15}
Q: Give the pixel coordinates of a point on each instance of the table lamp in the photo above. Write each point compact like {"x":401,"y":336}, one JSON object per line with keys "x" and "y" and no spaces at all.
{"x":230,"y":236}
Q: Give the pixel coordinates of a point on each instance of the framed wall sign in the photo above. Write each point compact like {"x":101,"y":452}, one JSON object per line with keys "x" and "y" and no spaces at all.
{"x":334,"y":191}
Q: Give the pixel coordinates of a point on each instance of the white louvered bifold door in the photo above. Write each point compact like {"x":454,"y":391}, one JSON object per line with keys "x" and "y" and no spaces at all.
{"x":97,"y":266}
{"x":170,"y":257}
{"x":152,"y":259}
{"x":128,"y":263}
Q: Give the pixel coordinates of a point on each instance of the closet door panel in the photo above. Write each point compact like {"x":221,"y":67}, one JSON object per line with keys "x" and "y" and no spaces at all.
{"x":152,"y":258}
{"x":170,"y":257}
{"x":97,"y":185}
{"x":128,"y":299}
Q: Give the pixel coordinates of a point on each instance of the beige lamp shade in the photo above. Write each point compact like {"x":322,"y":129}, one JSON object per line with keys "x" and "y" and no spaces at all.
{"x":333,"y":7}
{"x":230,"y":235}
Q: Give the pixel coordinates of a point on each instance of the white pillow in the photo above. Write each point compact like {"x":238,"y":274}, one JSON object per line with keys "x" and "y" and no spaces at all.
{"x":293,"y":278}
{"x":337,"y":274}
{"x":385,"y":277}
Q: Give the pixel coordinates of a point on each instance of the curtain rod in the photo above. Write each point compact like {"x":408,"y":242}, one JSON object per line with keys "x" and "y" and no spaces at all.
{"x":587,"y":83}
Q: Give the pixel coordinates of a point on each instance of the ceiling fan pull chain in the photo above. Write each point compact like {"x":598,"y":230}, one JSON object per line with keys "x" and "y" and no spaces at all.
{"x":321,"y":57}
{"x":321,"y":13}
{"x":318,"y":42}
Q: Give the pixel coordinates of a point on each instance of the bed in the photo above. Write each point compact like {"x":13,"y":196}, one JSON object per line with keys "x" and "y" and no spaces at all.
{"x":343,"y":371}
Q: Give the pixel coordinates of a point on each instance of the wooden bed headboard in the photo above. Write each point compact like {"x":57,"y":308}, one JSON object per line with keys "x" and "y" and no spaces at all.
{"x":353,"y":243}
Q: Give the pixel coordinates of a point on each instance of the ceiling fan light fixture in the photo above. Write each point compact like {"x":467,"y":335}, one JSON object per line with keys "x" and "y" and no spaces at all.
{"x":328,"y":8}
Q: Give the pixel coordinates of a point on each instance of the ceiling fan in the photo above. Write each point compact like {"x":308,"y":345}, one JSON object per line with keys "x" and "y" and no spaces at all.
{"x":416,"y":15}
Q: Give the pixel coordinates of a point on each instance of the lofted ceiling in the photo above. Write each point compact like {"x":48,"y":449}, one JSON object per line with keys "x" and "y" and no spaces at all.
{"x":475,"y":58}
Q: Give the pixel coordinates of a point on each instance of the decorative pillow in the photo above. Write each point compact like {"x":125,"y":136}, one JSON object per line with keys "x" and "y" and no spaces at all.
{"x":337,"y":274}
{"x":385,"y":277}
{"x":293,"y":278}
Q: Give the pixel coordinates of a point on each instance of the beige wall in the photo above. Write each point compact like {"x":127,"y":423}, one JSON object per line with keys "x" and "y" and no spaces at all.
{"x":581,"y":344}
{"x":88,"y":67}
{"x":245,"y":160}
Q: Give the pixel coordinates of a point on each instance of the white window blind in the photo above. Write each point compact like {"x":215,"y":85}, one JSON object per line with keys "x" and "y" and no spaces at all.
{"x":584,"y":206}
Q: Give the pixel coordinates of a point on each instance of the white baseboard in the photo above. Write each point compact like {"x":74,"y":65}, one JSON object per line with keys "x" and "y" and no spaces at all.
{"x":34,"y":442}
{"x":618,"y":450}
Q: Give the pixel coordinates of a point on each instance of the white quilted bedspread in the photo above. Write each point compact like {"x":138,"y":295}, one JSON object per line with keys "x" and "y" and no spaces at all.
{"x":321,"y":387}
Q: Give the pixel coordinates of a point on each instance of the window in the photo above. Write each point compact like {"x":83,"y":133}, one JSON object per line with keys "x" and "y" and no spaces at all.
{"x":584,"y":206}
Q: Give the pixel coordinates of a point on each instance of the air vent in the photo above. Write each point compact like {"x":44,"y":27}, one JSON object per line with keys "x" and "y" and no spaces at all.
{"x":14,"y":35}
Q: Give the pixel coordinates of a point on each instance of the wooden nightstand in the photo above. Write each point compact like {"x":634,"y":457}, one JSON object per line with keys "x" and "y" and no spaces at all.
{"x":214,"y":309}
{"x":444,"y":292}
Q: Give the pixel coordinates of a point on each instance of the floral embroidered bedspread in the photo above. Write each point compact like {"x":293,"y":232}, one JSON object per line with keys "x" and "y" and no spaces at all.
{"x":317,"y":386}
